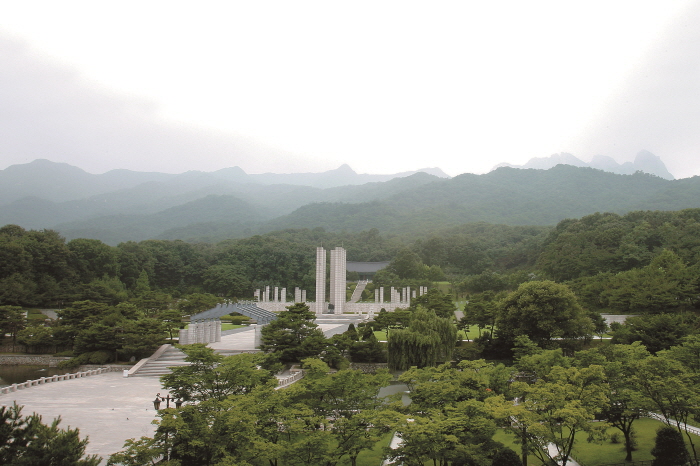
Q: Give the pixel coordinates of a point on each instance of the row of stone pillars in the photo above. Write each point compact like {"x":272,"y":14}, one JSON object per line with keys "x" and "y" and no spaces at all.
{"x":203,"y":331}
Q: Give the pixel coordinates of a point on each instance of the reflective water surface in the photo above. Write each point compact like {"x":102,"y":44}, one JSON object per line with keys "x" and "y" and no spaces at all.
{"x":17,"y":374}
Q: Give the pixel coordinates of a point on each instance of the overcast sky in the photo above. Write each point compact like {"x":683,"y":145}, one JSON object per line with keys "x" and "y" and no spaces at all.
{"x":382,"y":86}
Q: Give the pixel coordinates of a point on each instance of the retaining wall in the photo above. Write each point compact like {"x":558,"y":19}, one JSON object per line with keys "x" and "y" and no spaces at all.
{"x":369,"y":367}
{"x":30,"y":360}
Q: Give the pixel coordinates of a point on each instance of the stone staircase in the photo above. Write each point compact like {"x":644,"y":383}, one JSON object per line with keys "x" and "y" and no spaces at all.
{"x":160,"y":363}
{"x":168,"y":356}
{"x":357,"y":293}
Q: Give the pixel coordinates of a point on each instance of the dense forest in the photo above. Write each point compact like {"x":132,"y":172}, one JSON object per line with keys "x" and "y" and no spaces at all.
{"x":603,"y":257}
{"x":535,"y":294}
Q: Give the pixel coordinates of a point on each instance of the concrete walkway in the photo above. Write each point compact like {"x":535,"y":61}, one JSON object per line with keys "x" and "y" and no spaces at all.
{"x":107,"y":408}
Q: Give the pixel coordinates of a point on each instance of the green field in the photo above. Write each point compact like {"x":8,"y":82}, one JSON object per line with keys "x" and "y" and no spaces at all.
{"x":596,"y":454}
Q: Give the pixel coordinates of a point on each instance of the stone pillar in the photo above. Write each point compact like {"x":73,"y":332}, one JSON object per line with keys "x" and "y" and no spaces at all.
{"x":283,"y":296}
{"x":258,"y":336}
{"x":212,"y":329}
{"x":267,"y":293}
{"x":206,"y":331}
{"x":297,"y":295}
{"x":320,"y":280}
{"x":413,"y":294}
{"x":200,"y":332}
{"x":217,"y":332}
{"x":276,"y":295}
{"x":338,"y":279}
{"x":303,"y":296}
{"x":182,"y":334}
{"x":192,"y":333}
{"x":381,"y":295}
{"x":256,"y":295}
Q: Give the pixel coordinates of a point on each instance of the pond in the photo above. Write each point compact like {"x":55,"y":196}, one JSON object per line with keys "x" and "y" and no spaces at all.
{"x":396,"y":387}
{"x":18,"y":374}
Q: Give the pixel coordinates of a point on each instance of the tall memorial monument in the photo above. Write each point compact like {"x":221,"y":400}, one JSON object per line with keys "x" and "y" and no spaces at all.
{"x":338,"y":280}
{"x":320,"y":280}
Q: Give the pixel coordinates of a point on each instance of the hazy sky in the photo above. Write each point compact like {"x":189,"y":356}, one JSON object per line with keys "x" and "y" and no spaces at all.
{"x":299,"y":86}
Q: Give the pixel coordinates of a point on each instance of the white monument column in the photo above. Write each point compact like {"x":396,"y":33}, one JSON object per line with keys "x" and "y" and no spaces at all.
{"x":320,"y":280}
{"x":182,"y":334}
{"x":338,"y":279}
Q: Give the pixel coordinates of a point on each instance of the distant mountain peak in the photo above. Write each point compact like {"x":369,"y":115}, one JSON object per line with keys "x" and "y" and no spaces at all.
{"x":645,"y":162}
{"x":344,"y":168}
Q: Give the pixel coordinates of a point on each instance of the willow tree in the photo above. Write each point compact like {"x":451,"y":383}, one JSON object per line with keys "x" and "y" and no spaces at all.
{"x":426,"y":341}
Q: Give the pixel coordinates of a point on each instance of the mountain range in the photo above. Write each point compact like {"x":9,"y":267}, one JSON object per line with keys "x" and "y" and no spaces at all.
{"x":123,"y":205}
{"x":645,"y":162}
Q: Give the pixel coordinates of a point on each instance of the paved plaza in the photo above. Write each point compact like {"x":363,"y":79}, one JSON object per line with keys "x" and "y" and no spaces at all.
{"x":109,"y":408}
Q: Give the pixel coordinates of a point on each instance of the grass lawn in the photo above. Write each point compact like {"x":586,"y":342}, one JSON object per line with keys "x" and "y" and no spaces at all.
{"x":375,"y":456}
{"x":595,"y":454}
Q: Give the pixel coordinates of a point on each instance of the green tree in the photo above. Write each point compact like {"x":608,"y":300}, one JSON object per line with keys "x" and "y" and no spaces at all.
{"x":210,"y":376}
{"x":429,"y":339}
{"x":349,"y":404}
{"x":406,"y":265}
{"x":12,"y":320}
{"x":460,"y":434}
{"x":386,"y":321}
{"x":294,"y":335}
{"x":196,"y":302}
{"x":543,"y":310}
{"x":226,"y":280}
{"x":665,"y":285}
{"x":91,"y":259}
{"x":626,"y":402}
{"x":506,"y":457}
{"x":35,"y":337}
{"x":369,"y":350}
{"x":27,"y":441}
{"x":437,"y":301}
{"x":671,"y":390}
{"x":656,"y":332}
{"x":171,"y":320}
{"x":669,"y":448}
{"x":556,"y":408}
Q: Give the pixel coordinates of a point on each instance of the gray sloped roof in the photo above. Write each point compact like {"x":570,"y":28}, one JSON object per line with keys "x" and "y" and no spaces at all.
{"x":248,"y":309}
{"x":365,"y":267}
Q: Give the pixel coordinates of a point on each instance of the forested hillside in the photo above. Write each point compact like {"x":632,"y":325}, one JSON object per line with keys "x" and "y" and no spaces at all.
{"x":213,"y":207}
{"x":41,"y":268}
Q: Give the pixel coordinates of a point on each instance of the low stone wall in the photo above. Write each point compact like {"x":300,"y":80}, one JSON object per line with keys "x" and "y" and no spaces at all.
{"x":56,"y":378}
{"x":110,"y":368}
{"x":30,"y":360}
{"x":287,"y":381}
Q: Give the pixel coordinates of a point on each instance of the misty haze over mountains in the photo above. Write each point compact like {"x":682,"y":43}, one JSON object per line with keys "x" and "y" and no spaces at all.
{"x":123,"y":205}
{"x":645,"y":162}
